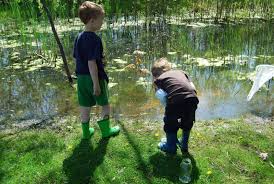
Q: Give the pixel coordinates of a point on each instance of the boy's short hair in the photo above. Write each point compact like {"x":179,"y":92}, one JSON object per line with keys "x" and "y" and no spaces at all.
{"x":89,"y":10}
{"x":160,"y":66}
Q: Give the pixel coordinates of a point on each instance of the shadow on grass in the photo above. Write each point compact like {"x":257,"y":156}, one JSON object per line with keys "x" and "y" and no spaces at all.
{"x":80,"y":166}
{"x":168,"y":167}
{"x":1,"y":175}
{"x":2,"y":148}
{"x":142,"y":164}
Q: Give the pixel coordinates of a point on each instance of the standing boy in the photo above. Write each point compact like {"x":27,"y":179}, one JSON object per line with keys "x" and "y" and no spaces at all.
{"x":180,"y":107}
{"x":92,"y":79}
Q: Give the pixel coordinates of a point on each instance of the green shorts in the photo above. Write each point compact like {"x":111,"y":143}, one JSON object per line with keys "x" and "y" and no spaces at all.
{"x":85,"y":92}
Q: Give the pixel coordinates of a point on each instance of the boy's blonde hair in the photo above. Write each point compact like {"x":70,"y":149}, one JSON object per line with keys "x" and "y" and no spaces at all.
{"x":160,"y":66}
{"x":89,"y":10}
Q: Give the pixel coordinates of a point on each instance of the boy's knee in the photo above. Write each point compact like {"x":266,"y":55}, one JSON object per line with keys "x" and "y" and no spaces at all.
{"x":85,"y":114}
{"x":106,"y":107}
{"x":171,"y":124}
{"x":85,"y":117}
{"x":171,"y":127}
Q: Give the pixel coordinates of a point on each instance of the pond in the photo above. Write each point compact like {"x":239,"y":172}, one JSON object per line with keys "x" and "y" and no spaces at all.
{"x":220,"y":59}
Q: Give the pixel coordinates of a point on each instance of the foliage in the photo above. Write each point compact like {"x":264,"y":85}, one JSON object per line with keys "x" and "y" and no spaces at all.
{"x":197,"y":8}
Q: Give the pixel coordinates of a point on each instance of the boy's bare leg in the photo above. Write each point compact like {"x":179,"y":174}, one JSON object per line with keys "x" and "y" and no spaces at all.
{"x":105,"y":111}
{"x":84,"y":112}
{"x":104,"y":124}
{"x":85,"y":117}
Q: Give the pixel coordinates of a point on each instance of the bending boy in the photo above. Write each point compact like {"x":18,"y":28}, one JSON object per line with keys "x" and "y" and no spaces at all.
{"x":180,"y":107}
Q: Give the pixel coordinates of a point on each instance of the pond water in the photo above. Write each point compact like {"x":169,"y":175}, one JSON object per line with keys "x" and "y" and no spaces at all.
{"x":220,"y":59}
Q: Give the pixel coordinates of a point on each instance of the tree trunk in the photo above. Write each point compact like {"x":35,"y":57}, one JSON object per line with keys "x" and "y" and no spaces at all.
{"x":58,"y":41}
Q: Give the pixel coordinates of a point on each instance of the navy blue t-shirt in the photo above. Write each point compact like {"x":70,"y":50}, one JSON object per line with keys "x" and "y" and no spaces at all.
{"x":88,"y":46}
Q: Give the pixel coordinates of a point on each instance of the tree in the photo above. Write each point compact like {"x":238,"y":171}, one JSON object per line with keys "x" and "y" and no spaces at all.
{"x":58,"y":41}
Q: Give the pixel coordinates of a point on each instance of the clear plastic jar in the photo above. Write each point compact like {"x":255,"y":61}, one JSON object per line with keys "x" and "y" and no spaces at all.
{"x":185,"y":171}
{"x":162,"y":96}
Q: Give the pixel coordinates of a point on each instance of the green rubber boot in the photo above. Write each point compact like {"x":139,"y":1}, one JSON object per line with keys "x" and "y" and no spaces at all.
{"x":106,"y":130}
{"x":87,"y":132}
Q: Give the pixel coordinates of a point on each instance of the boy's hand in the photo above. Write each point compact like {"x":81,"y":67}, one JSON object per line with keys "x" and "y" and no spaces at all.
{"x":97,"y":91}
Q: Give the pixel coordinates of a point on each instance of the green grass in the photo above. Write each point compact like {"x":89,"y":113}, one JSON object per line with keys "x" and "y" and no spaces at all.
{"x":221,"y":152}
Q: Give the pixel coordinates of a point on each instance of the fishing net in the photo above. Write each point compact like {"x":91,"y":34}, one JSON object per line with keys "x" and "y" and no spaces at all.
{"x":263,"y":74}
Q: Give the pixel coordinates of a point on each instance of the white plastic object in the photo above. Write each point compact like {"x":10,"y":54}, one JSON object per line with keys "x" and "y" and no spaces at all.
{"x":162,"y":96}
{"x":263,"y":74}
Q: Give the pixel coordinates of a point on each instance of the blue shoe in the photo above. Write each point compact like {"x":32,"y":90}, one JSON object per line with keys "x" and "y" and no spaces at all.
{"x":163,"y":140}
{"x":168,"y":145}
{"x":164,"y":147}
{"x":179,"y":143}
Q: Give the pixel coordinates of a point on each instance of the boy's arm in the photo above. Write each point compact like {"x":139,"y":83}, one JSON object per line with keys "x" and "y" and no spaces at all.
{"x":93,"y":70}
{"x":190,"y":81}
{"x":154,"y":85}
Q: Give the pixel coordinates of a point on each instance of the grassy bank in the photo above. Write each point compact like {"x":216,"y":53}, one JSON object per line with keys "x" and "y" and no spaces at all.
{"x":221,"y":152}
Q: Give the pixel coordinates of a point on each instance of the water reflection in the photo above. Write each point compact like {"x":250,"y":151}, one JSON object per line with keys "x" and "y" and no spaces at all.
{"x":222,"y":88}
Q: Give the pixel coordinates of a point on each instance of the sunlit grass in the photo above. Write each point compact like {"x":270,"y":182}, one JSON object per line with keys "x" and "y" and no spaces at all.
{"x":222,"y":151}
